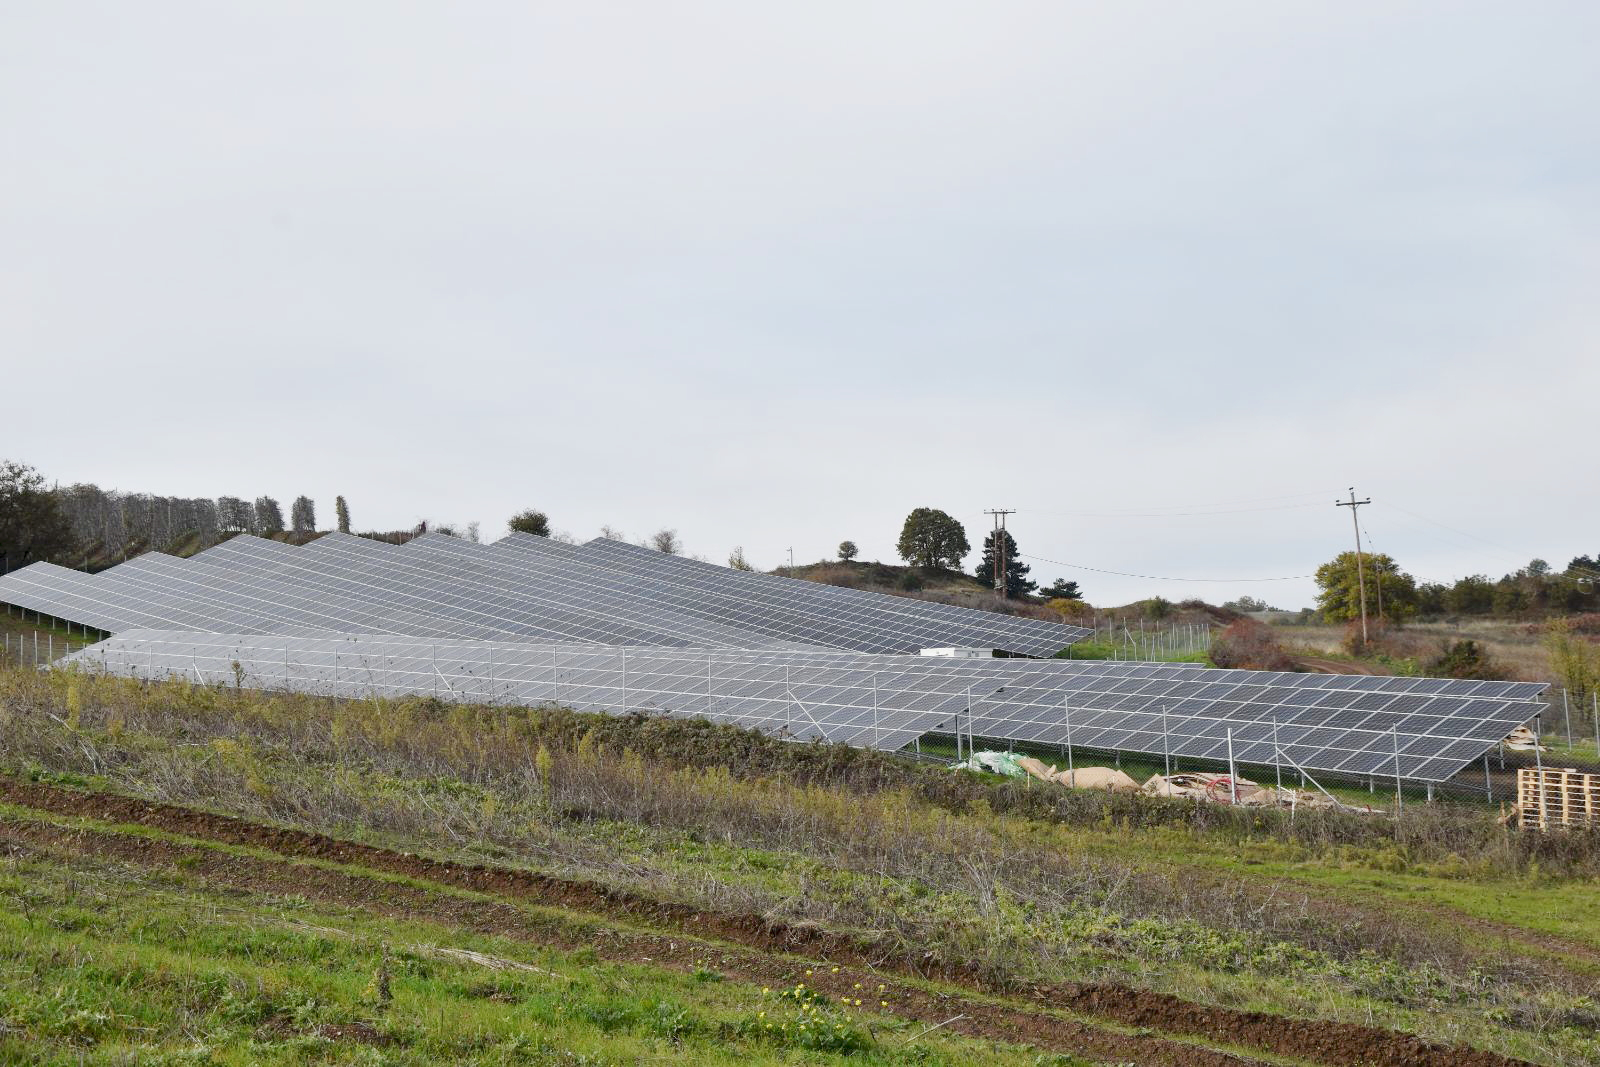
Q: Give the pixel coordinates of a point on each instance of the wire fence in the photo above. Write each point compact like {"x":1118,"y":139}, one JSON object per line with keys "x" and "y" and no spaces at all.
{"x":35,"y":648}
{"x":1138,"y":639}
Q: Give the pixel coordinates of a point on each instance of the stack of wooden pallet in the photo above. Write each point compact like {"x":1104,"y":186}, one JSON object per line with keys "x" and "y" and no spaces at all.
{"x":1557,"y":797}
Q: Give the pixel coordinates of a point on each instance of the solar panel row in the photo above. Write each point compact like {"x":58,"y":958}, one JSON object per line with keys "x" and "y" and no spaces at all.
{"x":874,"y":700}
{"x":443,"y":586}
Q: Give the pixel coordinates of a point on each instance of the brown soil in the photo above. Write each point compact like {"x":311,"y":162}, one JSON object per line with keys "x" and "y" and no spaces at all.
{"x":1318,"y":665}
{"x":1319,"y":1041}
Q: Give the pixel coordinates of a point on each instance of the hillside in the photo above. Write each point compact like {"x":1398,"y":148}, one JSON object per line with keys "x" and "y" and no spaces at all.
{"x":939,"y":586}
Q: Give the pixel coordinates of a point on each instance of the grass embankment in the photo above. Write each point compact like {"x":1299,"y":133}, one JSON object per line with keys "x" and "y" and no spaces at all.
{"x":1441,"y":924}
{"x":110,"y":963}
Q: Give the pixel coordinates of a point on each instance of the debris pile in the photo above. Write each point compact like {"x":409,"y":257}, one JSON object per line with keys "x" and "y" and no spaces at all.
{"x":1200,"y":786}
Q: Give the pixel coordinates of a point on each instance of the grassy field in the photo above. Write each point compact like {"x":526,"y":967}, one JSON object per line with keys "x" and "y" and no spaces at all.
{"x":110,"y":962}
{"x":1517,"y":653}
{"x":957,"y":890}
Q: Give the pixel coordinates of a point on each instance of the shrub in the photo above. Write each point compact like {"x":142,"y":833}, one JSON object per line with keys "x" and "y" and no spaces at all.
{"x":1464,"y":659}
{"x":1249,"y":645}
{"x":911,"y":581}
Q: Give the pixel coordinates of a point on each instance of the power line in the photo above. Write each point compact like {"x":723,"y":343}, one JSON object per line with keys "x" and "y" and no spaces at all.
{"x":1159,"y":577}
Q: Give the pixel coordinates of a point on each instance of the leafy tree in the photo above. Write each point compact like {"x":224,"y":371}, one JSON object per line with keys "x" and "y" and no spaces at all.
{"x":1061,"y":589}
{"x":1431,"y":597}
{"x":933,"y":540}
{"x":303,"y":514}
{"x":1472,"y":595}
{"x":530,"y":521}
{"x":848,"y":550}
{"x":1511,"y":597}
{"x":737,"y":561}
{"x":1538,"y":568}
{"x":33,"y":526}
{"x":341,"y":511}
{"x":1246,"y":604}
{"x":269,"y":516}
{"x":1017,"y":583}
{"x":665,"y":540}
{"x":1339,"y":582}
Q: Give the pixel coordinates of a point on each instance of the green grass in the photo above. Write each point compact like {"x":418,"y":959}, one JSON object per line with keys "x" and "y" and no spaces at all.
{"x":104,"y":964}
{"x":1108,"y":650}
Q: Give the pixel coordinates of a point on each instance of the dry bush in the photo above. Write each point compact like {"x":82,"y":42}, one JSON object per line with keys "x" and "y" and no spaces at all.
{"x":1249,"y":645}
{"x":1464,"y":659}
{"x":1386,"y":639}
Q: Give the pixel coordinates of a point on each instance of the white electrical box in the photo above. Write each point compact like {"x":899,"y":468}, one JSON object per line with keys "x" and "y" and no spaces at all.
{"x":960,"y":653}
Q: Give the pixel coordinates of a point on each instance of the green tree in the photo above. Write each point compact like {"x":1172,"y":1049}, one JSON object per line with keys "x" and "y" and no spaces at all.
{"x":341,"y":511}
{"x":1017,"y":583}
{"x":1061,"y":589}
{"x":847,"y":550}
{"x":1472,"y":595}
{"x":530,"y":521}
{"x":1338,"y":581}
{"x":933,"y":540}
{"x":303,"y":514}
{"x":33,"y":526}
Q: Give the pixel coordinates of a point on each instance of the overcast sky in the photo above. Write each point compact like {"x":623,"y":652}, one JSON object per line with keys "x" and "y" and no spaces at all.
{"x":1166,"y":278}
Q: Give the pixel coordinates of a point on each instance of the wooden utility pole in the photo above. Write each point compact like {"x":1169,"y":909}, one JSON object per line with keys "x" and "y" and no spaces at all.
{"x":1361,"y":578}
{"x":1000,"y":547}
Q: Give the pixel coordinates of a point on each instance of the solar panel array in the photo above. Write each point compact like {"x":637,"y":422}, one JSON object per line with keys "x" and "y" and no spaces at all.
{"x":613,"y":627}
{"x":1422,"y":729}
{"x":520,"y":587}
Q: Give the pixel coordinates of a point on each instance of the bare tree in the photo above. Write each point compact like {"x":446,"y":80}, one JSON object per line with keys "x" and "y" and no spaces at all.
{"x":737,"y":561}
{"x":269,"y":516}
{"x":611,"y":533}
{"x":472,"y":531}
{"x":303,"y":515}
{"x":234,"y":514}
{"x":665,"y":540}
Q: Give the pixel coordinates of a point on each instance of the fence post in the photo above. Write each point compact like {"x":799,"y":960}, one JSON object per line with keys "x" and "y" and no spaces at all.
{"x":1566,"y":712}
{"x":1488,"y":783}
{"x":1166,"y":747}
{"x":1066,"y":715}
{"x":1277,"y":758}
{"x":1233,"y":778}
{"x":1398,"y":802}
{"x":874,"y":707}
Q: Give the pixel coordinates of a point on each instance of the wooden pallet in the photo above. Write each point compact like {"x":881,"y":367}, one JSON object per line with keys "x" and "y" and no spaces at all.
{"x":1557,"y":797}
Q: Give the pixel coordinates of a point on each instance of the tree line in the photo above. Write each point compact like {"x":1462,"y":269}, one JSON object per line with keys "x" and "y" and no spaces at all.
{"x":85,"y":523}
{"x":1393,"y":595}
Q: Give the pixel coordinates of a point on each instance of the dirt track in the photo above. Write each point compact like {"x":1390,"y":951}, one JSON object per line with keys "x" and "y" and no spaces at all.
{"x":1312,"y":1040}
{"x":1318,"y":665}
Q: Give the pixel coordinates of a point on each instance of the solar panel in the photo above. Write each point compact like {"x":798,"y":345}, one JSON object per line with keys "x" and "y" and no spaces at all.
{"x":1129,"y":707}
{"x":818,"y":613}
{"x":818,"y":699}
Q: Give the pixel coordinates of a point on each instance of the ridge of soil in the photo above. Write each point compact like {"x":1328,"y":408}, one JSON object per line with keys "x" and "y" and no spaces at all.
{"x":1323,"y":1041}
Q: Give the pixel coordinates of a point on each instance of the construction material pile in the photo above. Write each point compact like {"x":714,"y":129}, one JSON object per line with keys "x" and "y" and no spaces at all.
{"x":1199,"y":786}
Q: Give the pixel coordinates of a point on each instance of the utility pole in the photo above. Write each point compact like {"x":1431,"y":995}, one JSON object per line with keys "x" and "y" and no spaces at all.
{"x":791,"y":561}
{"x":1000,"y":547}
{"x":1361,"y":578}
